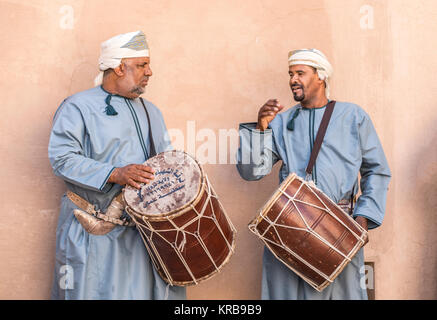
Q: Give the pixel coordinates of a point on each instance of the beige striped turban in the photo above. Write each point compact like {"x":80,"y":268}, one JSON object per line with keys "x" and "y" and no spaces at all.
{"x":127,"y":45}
{"x":315,"y":59}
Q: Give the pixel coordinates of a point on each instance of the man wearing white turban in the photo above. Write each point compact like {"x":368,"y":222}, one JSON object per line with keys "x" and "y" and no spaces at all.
{"x":350,"y":147}
{"x":99,"y":140}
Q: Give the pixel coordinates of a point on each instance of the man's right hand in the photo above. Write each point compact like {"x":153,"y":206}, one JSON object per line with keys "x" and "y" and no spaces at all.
{"x":133,"y":175}
{"x":267,"y":113}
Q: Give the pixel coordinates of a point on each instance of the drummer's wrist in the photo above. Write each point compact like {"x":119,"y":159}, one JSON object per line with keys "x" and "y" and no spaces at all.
{"x":113,"y":178}
{"x":362,"y":221}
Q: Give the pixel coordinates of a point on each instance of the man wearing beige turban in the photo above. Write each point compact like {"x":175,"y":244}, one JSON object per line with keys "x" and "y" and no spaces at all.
{"x":99,"y":140}
{"x":350,"y":147}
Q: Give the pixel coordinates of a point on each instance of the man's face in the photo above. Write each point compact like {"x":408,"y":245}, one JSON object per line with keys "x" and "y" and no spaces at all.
{"x":304,"y":82}
{"x":136,"y":73}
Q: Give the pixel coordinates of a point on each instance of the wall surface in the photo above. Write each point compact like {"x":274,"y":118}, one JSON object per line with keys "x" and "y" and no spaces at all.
{"x":215,"y":63}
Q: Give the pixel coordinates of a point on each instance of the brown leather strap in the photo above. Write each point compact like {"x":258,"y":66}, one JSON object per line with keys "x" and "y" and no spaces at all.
{"x":81,"y":203}
{"x":90,"y":209}
{"x":152,"y":144}
{"x":347,"y":205}
{"x":320,"y":135}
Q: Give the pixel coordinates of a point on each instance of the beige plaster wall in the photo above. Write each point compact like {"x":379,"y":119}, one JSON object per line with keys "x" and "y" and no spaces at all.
{"x":215,"y":63}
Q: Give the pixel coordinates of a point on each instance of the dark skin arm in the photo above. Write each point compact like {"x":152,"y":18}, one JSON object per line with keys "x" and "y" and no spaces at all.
{"x":133,"y":175}
{"x":363,"y":222}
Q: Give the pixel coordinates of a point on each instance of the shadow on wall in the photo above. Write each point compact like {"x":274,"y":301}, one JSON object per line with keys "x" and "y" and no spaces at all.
{"x":426,"y":201}
{"x":426,"y":197}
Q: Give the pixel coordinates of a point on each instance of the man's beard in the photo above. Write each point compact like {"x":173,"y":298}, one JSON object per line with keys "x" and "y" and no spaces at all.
{"x":301,"y":97}
{"x":138,"y":90}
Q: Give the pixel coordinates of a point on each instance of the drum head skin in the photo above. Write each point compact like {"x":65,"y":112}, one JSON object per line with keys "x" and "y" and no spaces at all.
{"x":176,"y":185}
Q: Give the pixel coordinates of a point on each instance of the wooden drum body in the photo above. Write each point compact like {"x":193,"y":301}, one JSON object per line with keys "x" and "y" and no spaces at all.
{"x":308,"y":232}
{"x":184,"y":226}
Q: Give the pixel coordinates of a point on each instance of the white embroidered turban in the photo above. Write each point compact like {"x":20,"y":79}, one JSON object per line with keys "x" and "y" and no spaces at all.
{"x":127,"y":45}
{"x":315,"y":59}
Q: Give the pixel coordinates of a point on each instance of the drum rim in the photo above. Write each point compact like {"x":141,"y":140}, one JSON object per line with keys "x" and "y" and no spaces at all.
{"x":271,"y":200}
{"x":171,"y":214}
{"x":276,"y":194}
{"x":179,"y":211}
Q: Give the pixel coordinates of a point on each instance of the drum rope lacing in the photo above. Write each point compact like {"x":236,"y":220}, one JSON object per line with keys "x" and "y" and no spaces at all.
{"x":181,"y":230}
{"x":274,"y":224}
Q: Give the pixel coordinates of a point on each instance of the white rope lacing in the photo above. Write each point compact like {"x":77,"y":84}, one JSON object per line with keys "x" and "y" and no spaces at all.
{"x":148,"y":232}
{"x":276,"y":240}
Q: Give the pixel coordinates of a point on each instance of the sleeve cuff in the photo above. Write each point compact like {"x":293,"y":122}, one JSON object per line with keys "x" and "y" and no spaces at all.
{"x":371,"y":222}
{"x":104,"y":185}
{"x":251,"y":126}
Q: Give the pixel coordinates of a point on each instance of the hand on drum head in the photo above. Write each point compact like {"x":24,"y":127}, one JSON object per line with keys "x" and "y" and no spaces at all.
{"x":132,"y":175}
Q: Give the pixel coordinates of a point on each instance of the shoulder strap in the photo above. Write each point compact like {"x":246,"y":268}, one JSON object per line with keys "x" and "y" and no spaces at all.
{"x":152,"y":144}
{"x":320,"y":135}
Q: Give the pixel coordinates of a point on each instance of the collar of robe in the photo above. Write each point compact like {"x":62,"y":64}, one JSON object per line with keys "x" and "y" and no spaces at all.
{"x":109,"y":110}
{"x":290,"y":124}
